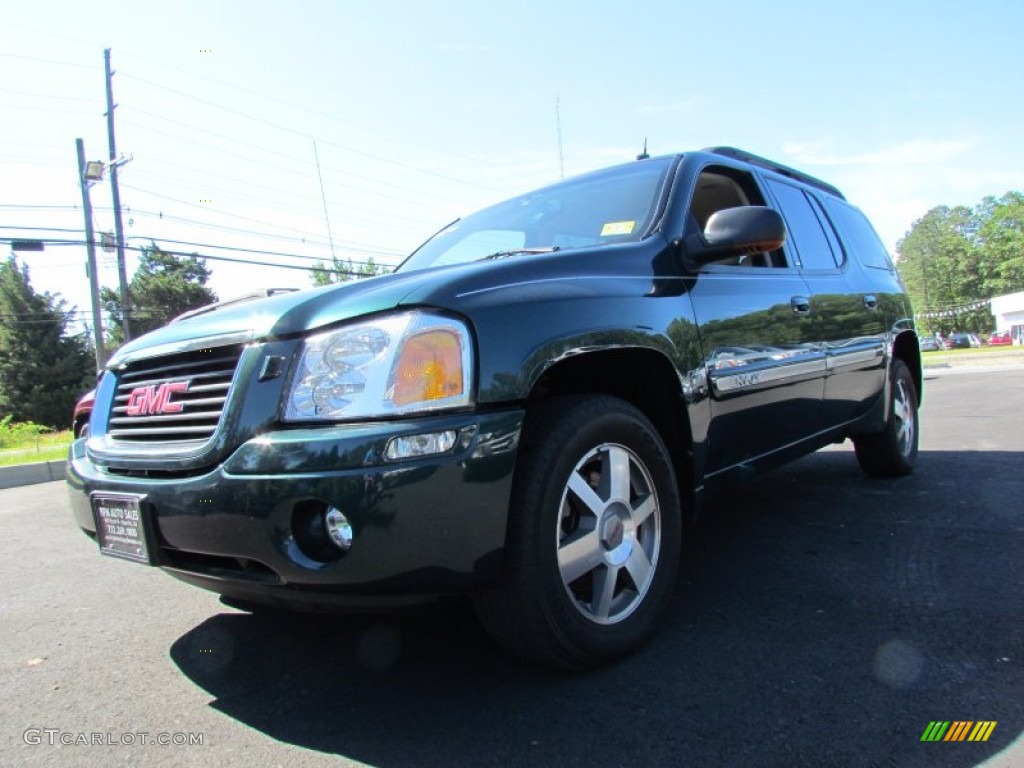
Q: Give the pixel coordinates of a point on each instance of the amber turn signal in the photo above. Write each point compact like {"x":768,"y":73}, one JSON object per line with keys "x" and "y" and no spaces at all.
{"x":429,"y":367}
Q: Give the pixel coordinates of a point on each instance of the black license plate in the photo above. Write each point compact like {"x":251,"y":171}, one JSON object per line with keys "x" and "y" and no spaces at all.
{"x":121,"y":526}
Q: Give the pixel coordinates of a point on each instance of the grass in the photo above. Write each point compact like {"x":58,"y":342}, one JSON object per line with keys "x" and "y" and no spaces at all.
{"x":23,"y":446}
{"x":980,"y":354}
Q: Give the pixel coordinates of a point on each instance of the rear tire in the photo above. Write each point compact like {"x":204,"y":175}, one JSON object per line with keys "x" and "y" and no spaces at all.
{"x":594,"y":536}
{"x":893,"y":451}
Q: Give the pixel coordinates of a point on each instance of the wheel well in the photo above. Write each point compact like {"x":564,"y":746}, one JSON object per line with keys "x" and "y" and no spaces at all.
{"x":908,"y":349}
{"x":642,"y":377}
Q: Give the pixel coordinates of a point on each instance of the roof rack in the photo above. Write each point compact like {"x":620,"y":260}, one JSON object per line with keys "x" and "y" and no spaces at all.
{"x":779,"y":168}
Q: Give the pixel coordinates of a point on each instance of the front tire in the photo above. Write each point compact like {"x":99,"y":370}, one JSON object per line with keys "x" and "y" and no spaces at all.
{"x":594,"y":536}
{"x":893,"y":451}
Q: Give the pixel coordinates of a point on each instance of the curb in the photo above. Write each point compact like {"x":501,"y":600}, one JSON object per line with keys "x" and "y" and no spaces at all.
{"x":29,"y":474}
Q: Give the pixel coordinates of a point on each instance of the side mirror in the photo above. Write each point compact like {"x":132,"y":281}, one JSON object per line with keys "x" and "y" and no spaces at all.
{"x":733,"y":232}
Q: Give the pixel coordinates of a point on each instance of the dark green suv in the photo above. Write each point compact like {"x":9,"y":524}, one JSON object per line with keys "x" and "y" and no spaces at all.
{"x":525,"y":412}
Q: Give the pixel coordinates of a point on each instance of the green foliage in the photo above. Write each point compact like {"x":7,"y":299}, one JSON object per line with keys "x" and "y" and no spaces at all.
{"x":15,"y":435}
{"x":25,"y":442}
{"x":42,"y":370}
{"x":343,"y":271}
{"x":1001,"y":240}
{"x":164,"y":286}
{"x":952,"y":257}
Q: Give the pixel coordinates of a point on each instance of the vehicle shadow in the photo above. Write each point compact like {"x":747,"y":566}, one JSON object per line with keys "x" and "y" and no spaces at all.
{"x":820,"y":618}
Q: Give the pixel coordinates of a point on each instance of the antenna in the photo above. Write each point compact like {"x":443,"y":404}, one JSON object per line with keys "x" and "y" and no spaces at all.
{"x":323,"y":197}
{"x":643,"y":155}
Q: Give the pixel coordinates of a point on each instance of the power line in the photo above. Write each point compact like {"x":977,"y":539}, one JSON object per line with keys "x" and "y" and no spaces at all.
{"x":348,"y":211}
{"x":293,"y":105}
{"x":47,"y":61}
{"x":49,"y":96}
{"x":286,"y":169}
{"x":291,"y":158}
{"x":205,"y":78}
{"x":212,"y":210}
{"x":286,"y":129}
{"x":280,"y":206}
{"x":56,"y":242}
{"x":243,"y":250}
{"x":46,"y":109}
{"x":42,"y":229}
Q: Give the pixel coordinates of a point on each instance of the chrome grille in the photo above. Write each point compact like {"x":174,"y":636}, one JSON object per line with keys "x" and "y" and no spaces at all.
{"x":178,"y":398}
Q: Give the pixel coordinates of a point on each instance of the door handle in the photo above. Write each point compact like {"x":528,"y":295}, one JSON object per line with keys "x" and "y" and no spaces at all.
{"x":870,"y":302}
{"x":801,"y":305}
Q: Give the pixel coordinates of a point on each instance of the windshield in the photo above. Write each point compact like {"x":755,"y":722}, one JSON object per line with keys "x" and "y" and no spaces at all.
{"x":610,"y":206}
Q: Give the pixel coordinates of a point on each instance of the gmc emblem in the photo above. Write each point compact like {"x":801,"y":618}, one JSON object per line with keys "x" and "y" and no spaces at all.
{"x":144,"y":401}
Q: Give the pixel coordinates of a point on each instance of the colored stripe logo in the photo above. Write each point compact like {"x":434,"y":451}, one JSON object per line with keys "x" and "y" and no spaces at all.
{"x":958,"y":730}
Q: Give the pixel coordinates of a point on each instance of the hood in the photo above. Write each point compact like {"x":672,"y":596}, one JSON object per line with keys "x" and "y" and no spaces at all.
{"x":455,"y":287}
{"x":277,"y":316}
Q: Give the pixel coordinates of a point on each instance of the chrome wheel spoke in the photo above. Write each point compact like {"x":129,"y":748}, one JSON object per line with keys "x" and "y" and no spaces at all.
{"x":644,"y":510}
{"x":610,"y":520}
{"x":604,"y":592}
{"x":579,"y":556}
{"x":904,"y":414}
{"x":617,"y":467}
{"x":582,"y":490}
{"x":638,"y":565}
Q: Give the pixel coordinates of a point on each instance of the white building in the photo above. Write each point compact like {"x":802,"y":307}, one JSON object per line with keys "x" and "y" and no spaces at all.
{"x":1009,"y":314}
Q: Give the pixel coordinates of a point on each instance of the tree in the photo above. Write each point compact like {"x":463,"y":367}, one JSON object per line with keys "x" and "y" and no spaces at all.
{"x":42,"y":369}
{"x":1001,"y":240}
{"x":164,"y":286}
{"x":954,"y":259}
{"x":940,"y":264}
{"x":343,"y":271}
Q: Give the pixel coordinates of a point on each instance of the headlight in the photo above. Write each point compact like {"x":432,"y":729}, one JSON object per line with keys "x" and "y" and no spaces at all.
{"x":401,"y":363}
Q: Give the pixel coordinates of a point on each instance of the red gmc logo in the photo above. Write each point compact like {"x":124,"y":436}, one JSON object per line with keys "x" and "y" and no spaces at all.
{"x":156,"y":399}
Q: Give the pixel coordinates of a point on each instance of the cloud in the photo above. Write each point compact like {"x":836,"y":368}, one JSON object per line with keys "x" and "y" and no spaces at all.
{"x":921,"y":151}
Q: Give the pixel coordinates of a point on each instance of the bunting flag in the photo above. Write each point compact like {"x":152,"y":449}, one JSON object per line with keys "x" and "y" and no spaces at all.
{"x":960,"y":309}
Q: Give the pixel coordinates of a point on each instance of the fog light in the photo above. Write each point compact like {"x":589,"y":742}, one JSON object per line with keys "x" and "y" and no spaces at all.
{"x":417,"y":446}
{"x":338,"y":529}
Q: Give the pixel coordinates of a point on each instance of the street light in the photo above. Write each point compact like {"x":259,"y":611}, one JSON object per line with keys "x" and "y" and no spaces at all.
{"x":94,"y":286}
{"x":93,"y":171}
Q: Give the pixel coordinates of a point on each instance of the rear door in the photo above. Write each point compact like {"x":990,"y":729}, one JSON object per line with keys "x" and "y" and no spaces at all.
{"x":848,"y":321}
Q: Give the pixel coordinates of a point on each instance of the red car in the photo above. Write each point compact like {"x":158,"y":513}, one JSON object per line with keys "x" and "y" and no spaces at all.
{"x":1000,"y":339}
{"x":80,"y":418}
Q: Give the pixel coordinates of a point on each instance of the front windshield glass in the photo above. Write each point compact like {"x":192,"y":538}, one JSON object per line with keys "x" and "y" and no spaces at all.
{"x":611,"y":206}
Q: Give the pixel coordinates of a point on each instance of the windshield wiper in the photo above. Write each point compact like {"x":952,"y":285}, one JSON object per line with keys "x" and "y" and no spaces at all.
{"x":518,"y":251}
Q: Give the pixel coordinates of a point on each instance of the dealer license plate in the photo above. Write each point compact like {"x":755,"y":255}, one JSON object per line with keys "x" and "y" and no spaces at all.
{"x":121,"y":526}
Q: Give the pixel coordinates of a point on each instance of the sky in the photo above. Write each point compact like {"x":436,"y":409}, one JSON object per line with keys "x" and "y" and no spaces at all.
{"x":277,"y":132}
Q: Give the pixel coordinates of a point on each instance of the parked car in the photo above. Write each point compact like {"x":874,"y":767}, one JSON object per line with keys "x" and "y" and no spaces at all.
{"x":524,"y":413}
{"x":81,"y":414}
{"x":1000,"y":339}
{"x":958,"y":341}
{"x":930,"y":344}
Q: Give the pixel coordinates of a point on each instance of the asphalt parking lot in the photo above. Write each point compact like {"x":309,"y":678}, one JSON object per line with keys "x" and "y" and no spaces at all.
{"x":821,"y":619}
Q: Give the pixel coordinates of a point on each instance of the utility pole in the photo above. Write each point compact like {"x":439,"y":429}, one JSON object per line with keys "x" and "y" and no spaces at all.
{"x":90,"y":245}
{"x":122,"y":277}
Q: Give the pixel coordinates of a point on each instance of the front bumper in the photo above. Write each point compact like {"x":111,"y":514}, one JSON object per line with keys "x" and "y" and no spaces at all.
{"x":422,"y":527}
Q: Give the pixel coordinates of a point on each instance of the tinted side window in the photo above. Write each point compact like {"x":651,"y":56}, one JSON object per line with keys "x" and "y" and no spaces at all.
{"x":804,"y":227}
{"x":858,"y":235}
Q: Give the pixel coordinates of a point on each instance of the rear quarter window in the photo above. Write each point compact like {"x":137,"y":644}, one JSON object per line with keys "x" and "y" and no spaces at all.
{"x":859,"y":239}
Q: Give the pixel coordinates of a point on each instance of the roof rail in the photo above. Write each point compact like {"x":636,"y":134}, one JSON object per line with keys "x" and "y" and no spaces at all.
{"x":771,"y":165}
